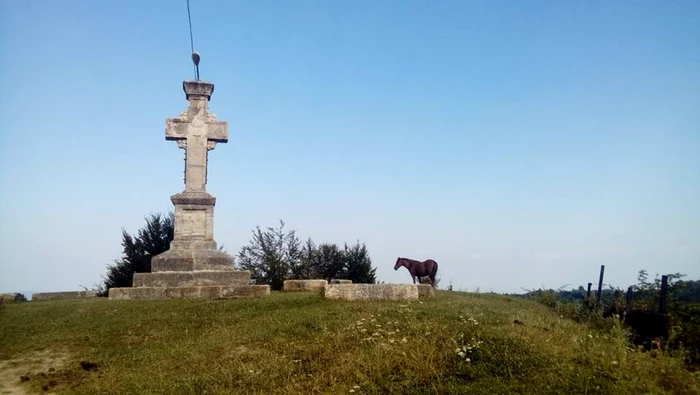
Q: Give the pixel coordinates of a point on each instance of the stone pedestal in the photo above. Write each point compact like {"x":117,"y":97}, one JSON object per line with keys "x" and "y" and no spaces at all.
{"x":198,"y":284}
{"x":193,"y":267}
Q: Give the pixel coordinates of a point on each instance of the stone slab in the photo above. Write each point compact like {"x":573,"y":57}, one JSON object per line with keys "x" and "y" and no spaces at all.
{"x":340,"y":281}
{"x":12,"y":297}
{"x":197,"y":292}
{"x":177,"y":260}
{"x":64,"y":295}
{"x":425,"y":291}
{"x":371,"y":292}
{"x":304,"y":285}
{"x":190,"y":279}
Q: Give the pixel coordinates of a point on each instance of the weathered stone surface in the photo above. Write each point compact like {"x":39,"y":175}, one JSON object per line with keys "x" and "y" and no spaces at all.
{"x":197,"y":131}
{"x":64,"y":295}
{"x":194,"y":278}
{"x":303,"y":285}
{"x":197,"y":88}
{"x":197,"y":292}
{"x":425,"y":291}
{"x":193,"y":266}
{"x":371,"y":292}
{"x":12,"y":297}
{"x":340,"y":281}
{"x":181,"y":259}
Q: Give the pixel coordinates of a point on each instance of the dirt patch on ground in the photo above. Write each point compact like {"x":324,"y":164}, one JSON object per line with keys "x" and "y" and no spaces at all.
{"x":16,"y":374}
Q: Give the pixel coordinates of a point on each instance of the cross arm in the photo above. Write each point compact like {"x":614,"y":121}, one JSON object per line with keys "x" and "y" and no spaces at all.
{"x":217,"y":131}
{"x":175,"y":129}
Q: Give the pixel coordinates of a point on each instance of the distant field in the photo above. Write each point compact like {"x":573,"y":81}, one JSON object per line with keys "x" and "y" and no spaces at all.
{"x":302,"y":344}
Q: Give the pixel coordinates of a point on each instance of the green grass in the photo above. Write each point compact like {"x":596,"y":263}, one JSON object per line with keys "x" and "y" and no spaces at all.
{"x":301,"y":343}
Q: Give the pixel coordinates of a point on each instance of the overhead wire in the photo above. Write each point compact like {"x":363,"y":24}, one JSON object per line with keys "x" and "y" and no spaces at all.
{"x":189,"y":19}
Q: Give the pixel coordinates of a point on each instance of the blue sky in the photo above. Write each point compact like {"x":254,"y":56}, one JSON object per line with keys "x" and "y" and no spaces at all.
{"x":519,"y":144}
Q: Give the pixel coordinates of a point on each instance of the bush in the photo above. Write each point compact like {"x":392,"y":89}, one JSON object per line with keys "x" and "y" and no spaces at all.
{"x":274,"y":255}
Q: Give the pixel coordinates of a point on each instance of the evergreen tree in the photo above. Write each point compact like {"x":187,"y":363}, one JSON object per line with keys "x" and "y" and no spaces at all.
{"x":358,"y":265}
{"x":138,"y":250}
{"x":331,"y":262}
{"x":308,"y":262}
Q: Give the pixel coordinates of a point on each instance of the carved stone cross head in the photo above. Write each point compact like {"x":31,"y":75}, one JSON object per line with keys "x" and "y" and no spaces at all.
{"x":196,"y":131}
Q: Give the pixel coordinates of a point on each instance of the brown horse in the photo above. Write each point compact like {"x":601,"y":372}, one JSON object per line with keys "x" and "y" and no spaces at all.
{"x":418,"y":269}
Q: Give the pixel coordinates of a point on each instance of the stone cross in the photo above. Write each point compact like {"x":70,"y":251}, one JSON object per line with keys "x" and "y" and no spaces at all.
{"x":196,"y":131}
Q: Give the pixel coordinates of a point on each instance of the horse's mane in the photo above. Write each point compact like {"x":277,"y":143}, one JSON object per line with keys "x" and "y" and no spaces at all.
{"x":409,"y":260}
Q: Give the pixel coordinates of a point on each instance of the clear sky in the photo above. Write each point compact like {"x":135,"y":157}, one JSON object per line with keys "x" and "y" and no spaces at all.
{"x":519,"y":143}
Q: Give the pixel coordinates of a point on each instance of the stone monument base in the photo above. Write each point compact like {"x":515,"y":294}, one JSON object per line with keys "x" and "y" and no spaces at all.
{"x":195,"y":292}
{"x":198,"y":284}
{"x":191,"y":256}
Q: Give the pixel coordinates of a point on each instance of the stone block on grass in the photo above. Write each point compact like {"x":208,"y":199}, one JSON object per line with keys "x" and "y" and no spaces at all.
{"x":304,"y":285}
{"x":425,"y":291}
{"x":64,"y":295}
{"x":371,"y":292}
{"x":12,"y":297}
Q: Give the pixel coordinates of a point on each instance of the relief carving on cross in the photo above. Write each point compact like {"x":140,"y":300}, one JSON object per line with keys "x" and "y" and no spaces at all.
{"x":196,"y":131}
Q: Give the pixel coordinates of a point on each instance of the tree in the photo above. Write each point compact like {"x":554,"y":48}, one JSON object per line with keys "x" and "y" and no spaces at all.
{"x":271,"y":256}
{"x":151,"y":240}
{"x":308,"y":262}
{"x":331,"y":262}
{"x":358,"y":265}
{"x":274,"y":255}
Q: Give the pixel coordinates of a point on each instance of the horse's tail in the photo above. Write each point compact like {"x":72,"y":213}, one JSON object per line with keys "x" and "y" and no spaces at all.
{"x":435,"y":269}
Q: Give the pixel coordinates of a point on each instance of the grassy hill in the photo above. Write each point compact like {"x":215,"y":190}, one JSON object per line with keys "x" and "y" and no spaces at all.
{"x":301,"y":343}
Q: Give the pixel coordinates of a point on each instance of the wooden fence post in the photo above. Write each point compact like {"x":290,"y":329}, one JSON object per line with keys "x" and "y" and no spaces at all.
{"x":664,"y":294}
{"x":588,"y":292}
{"x":600,"y":283}
{"x":628,"y":297}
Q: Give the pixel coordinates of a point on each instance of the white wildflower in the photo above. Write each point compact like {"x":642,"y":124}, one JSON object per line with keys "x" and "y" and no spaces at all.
{"x":404,"y":340}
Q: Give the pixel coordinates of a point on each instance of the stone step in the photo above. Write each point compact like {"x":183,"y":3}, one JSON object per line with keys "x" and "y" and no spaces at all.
{"x":195,"y":292}
{"x":194,"y":278}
